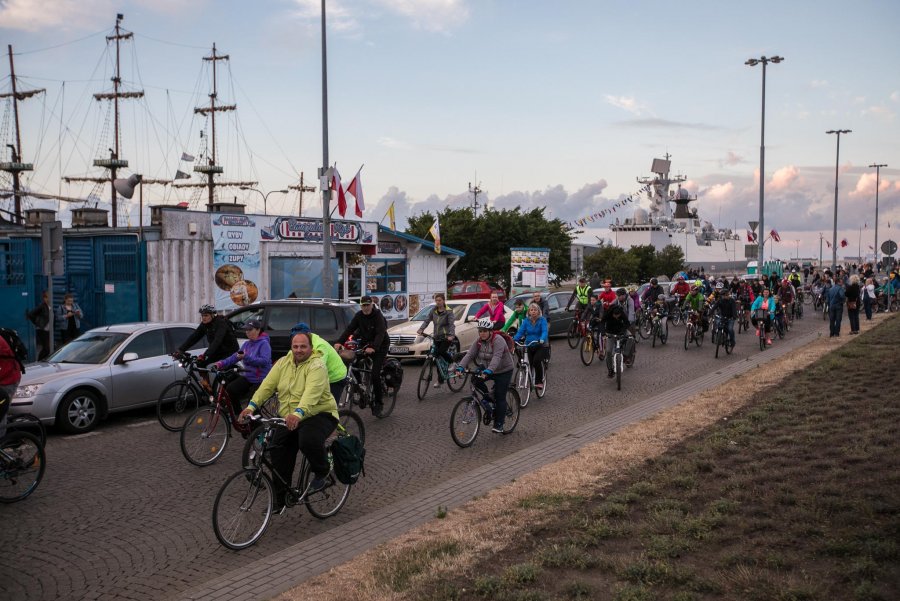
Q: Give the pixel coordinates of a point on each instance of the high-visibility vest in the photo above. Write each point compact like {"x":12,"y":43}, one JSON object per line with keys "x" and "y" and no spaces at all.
{"x":583,"y":293}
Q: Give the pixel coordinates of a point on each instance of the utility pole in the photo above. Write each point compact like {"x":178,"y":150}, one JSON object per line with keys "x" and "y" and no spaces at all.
{"x":475,"y":192}
{"x":877,"y":177}
{"x":837,"y":162}
{"x":301,"y":189}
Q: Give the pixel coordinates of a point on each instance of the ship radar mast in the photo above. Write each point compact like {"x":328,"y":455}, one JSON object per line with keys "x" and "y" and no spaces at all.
{"x":660,"y":194}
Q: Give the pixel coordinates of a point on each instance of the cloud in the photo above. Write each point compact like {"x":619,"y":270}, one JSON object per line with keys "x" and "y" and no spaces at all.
{"x":880,"y":112}
{"x":338,"y":16}
{"x":895,"y":96}
{"x":719,"y":192}
{"x":818,"y":83}
{"x":430,"y":15}
{"x":627,"y":103}
{"x":655,"y":123}
{"x":67,"y":15}
{"x":395,"y":144}
{"x":784,"y":177}
{"x":865,"y":185}
{"x":731,"y":159}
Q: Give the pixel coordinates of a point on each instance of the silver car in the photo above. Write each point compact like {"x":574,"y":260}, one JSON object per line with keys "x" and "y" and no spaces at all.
{"x":105,"y":370}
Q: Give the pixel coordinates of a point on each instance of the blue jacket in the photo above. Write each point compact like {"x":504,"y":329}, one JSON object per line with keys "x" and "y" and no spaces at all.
{"x":758,"y":303}
{"x":532,"y":332}
{"x":835,"y":296}
{"x":257,"y":359}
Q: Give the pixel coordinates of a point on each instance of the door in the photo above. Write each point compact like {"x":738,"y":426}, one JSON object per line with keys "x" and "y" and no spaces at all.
{"x":140,"y":381}
{"x":353,"y":285}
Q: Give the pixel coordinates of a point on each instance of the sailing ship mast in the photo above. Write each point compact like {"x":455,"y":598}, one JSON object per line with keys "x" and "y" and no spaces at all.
{"x":113,"y":163}
{"x":16,"y":166}
{"x":212,"y":168}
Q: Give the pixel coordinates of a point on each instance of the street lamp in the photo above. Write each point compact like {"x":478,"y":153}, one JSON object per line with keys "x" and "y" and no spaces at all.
{"x":762,"y":155}
{"x":836,"y":164}
{"x":265,"y":196}
{"x":798,"y":250}
{"x":877,"y":176}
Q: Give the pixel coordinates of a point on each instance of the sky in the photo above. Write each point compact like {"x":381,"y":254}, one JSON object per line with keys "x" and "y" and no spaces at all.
{"x":539,"y":104}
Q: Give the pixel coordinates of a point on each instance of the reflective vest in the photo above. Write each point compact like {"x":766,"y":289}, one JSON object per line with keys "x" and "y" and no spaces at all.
{"x":583,"y":293}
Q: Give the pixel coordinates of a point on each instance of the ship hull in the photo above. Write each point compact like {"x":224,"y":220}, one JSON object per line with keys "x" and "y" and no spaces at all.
{"x":717,"y":255}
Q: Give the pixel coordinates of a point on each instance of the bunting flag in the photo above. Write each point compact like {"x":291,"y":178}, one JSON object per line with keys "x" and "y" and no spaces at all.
{"x":828,"y":243}
{"x":435,"y":231}
{"x":580,"y":222}
{"x":871,"y":247}
{"x":844,"y":243}
{"x":391,"y":215}
{"x":775,"y":236}
{"x":355,"y":189}
{"x":335,"y":185}
{"x":187,"y":157}
{"x":179,"y":174}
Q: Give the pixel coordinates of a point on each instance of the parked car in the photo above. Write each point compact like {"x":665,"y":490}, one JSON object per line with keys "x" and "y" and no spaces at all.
{"x":103,"y":371}
{"x":406,"y":344}
{"x":327,"y":318}
{"x":475,"y":289}
{"x":559,"y":320}
{"x":667,"y":287}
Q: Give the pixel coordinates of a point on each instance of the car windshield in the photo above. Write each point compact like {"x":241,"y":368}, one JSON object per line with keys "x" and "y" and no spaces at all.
{"x":91,"y":348}
{"x":457,"y":308}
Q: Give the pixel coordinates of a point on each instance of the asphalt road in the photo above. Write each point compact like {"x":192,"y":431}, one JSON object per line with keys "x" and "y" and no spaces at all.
{"x":121,"y":514}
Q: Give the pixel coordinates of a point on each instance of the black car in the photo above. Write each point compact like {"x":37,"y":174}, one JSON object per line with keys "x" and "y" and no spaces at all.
{"x":325,"y":317}
{"x":559,"y":320}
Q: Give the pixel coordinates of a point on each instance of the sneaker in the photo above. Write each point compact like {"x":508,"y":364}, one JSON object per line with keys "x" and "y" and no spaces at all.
{"x":438,"y":384}
{"x":376,"y":409}
{"x":315,"y":485}
{"x":497,"y":429}
{"x":610,"y":373}
{"x":768,"y":341}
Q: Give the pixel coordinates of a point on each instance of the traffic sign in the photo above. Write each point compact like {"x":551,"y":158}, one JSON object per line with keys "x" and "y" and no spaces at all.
{"x":753,"y":225}
{"x":889,"y":247}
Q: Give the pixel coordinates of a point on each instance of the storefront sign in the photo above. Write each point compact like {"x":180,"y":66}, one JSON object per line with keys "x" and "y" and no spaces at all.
{"x":236,"y":258}
{"x":310,"y":230}
{"x":391,"y":248}
{"x":529,"y":269}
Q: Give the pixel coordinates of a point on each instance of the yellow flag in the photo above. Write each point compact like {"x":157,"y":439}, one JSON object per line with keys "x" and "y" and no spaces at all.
{"x":435,"y":232}
{"x":391,"y":215}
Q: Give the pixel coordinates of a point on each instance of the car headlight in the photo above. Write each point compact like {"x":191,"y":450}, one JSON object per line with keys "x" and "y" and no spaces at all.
{"x":27,"y":391}
{"x":420,"y":339}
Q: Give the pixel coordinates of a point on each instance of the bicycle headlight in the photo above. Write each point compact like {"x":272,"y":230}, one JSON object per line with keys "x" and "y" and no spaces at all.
{"x":27,"y":391}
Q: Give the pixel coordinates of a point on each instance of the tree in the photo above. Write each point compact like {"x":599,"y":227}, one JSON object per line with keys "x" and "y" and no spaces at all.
{"x":486,"y":240}
{"x":646,"y":259}
{"x":670,"y":260}
{"x":613,"y":263}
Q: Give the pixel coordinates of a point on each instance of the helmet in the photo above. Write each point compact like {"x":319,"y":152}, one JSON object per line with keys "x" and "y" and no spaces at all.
{"x":654,"y":281}
{"x":485,"y":323}
{"x":621,"y":292}
{"x":794,"y":270}
{"x":719,"y":286}
{"x":681,"y":278}
{"x":207,"y":310}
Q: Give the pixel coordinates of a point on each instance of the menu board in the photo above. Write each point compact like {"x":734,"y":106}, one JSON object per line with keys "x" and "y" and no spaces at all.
{"x":529,"y":269}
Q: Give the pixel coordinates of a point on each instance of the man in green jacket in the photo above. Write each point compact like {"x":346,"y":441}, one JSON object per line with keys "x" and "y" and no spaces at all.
{"x":309,"y":410}
{"x":337,"y":369}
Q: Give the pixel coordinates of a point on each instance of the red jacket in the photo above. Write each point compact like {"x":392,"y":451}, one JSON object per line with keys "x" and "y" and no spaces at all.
{"x":9,"y":367}
{"x":607,"y":297}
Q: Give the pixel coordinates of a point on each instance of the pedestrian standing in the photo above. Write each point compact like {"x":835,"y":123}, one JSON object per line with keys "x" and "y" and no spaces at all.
{"x":852,"y":295}
{"x":40,"y":317}
{"x":835,"y":298}
{"x":868,"y":297}
{"x":10,"y":375}
{"x":68,"y":318}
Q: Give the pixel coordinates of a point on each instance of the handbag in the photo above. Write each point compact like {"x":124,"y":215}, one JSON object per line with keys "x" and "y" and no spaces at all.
{"x":851,"y":305}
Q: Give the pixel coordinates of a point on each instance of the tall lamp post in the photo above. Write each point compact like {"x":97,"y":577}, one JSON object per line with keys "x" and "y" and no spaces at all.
{"x":877,"y":176}
{"x":762,"y":155}
{"x":836,"y":165}
{"x":265,"y":196}
{"x":798,"y":250}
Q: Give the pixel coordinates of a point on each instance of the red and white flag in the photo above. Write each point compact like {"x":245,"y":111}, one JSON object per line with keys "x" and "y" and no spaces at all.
{"x":355,"y":189}
{"x":775,"y":236}
{"x":751,"y":237}
{"x":335,"y":185}
{"x":844,"y":243}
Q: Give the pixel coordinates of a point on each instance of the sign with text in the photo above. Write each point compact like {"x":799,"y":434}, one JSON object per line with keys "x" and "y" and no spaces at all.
{"x":310,"y":230}
{"x":236,"y":258}
{"x":529,"y":269}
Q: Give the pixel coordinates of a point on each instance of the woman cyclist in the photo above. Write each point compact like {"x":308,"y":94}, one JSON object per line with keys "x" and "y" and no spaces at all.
{"x":444,"y":331}
{"x":256,"y":355}
{"x":493,"y":309}
{"x":491,"y":354}
{"x":766,"y":303}
{"x":534,"y":330}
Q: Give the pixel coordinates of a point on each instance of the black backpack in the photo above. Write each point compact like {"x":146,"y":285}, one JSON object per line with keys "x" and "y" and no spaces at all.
{"x":20,"y":351}
{"x":393,"y":373}
{"x":349,"y":454}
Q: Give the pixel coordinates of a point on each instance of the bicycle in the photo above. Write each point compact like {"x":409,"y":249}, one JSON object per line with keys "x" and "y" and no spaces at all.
{"x":245,"y":502}
{"x":524,"y":376}
{"x":693,"y":331}
{"x":678,"y":316}
{"x":719,"y":335}
{"x":471,"y":411}
{"x":645,"y":324}
{"x":761,"y":316}
{"x":22,"y":465}
{"x":591,"y":344}
{"x":27,"y":422}
{"x":577,"y":330}
{"x":446,"y":370}
{"x":616,"y":357}
{"x":657,"y":329}
{"x":184,"y":396}
{"x":207,"y":430}
{"x":359,"y":390}
{"x":780,"y":323}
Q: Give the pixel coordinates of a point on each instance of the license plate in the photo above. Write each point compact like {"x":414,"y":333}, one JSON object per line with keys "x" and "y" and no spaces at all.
{"x":398,"y":350}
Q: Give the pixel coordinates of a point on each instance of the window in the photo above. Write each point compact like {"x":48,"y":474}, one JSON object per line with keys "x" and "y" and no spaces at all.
{"x":323,"y":319}
{"x":473,"y":288}
{"x":474,"y":308}
{"x":179,"y":335}
{"x":239,"y":319}
{"x":384,"y":276}
{"x":149,"y":344}
{"x":553,"y":302}
{"x":455,"y":289}
{"x":283,"y":318}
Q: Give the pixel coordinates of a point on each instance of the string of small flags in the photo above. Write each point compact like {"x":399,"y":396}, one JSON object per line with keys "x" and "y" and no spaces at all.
{"x":581,"y":222}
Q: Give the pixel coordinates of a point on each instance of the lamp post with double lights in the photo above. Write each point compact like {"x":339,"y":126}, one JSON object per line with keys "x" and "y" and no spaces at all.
{"x":877,"y":177}
{"x":836,"y":165}
{"x":762,"y":153}
{"x":265,"y":196}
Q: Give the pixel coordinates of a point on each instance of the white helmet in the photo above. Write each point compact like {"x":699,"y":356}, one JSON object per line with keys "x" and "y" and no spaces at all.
{"x":485,"y":323}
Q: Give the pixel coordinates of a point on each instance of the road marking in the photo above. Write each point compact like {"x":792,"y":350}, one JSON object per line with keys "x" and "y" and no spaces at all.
{"x":141,"y":424}
{"x":77,"y":436}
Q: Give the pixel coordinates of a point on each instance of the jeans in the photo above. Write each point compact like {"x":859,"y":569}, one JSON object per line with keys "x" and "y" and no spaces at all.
{"x":308,"y":438}
{"x":43,"y":341}
{"x":835,"y":314}
{"x":729,"y":328}
{"x":853,"y":316}
{"x":536,"y":356}
{"x":337,"y":389}
{"x":867,"y":306}
{"x":501,"y":387}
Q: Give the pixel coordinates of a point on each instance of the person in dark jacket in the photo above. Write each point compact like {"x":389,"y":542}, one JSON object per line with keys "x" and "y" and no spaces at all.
{"x":370,"y":327}
{"x":40,"y":317}
{"x":852,"y":294}
{"x":256,"y":356}
{"x":835,"y":298}
{"x":615,"y":323}
{"x":727,"y":308}
{"x":220,"y":339}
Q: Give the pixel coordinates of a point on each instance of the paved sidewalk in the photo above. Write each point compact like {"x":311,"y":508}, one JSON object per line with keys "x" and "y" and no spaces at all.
{"x":278,"y":572}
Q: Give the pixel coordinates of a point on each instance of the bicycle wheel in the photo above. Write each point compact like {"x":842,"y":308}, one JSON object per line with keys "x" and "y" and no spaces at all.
{"x":456,"y":380}
{"x":252,"y":447}
{"x":779,"y":328}
{"x":687,"y":335}
{"x":728,"y":345}
{"x":523,"y":384}
{"x":664,"y":332}
{"x":543,"y":389}
{"x":655,"y":333}
{"x":645,"y":327}
{"x":587,"y":350}
{"x":513,"y":405}
{"x":425,"y":378}
{"x":353,"y":423}
{"x":572,"y":335}
{"x":328,"y":501}
{"x":698,"y":336}
{"x":205,"y":436}
{"x":388,"y":400}
{"x":243,"y":508}
{"x":22,"y":464}
{"x":175,"y":402}
{"x":762,"y":337}
{"x":619,"y":360}
{"x":465,"y":421}
{"x":26,"y":422}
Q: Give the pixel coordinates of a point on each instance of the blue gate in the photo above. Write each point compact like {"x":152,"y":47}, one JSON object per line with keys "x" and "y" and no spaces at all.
{"x":21,"y":285}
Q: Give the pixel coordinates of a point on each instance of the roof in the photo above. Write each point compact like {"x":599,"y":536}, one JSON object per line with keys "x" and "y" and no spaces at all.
{"x":445,"y":250}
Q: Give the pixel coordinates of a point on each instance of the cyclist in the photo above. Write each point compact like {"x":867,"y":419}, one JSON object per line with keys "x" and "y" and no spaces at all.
{"x":516,"y":318}
{"x":582,"y":294}
{"x":615,"y":323}
{"x":310,"y":412}
{"x":370,"y":326}
{"x":540,"y":302}
{"x":652,"y":292}
{"x":632,"y":292}
{"x":256,"y":355}
{"x":795,"y":278}
{"x":727,"y":310}
{"x":337,"y":369}
{"x":680,"y":288}
{"x":787,"y":294}
{"x":220,"y":338}
{"x":493,"y":309}
{"x":10,"y":376}
{"x":607,"y":296}
{"x":534,"y":330}
{"x":491,"y":354}
{"x":766,"y":303}
{"x":694,"y":300}
{"x":624,"y":301}
{"x":444,"y":330}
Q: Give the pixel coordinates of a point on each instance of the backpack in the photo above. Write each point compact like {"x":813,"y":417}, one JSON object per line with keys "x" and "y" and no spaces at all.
{"x":510,"y":345}
{"x":348,"y":454}
{"x":19,"y":350}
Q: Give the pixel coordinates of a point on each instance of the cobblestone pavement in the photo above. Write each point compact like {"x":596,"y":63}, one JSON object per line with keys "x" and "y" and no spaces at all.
{"x":121,"y":514}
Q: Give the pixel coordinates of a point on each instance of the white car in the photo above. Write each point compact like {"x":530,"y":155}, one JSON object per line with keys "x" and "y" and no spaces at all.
{"x":406,"y":344}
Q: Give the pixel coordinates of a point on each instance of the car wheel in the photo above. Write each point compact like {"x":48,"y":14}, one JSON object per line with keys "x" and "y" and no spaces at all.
{"x":78,"y":412}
